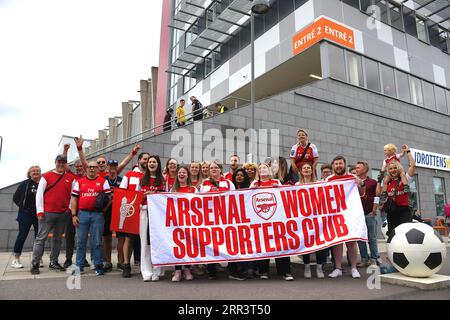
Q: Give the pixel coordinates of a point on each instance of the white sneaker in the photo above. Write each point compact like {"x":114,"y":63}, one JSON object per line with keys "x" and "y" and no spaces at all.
{"x":16,"y":264}
{"x":307,"y":273}
{"x":336,"y":273}
{"x":155,"y":278}
{"x":147,"y":278}
{"x":41,"y":263}
{"x":319,"y":271}
{"x":355,"y":273}
{"x":176,"y":276}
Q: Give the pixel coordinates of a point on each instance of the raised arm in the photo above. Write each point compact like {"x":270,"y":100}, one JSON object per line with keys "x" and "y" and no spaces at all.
{"x":412,"y":162}
{"x":79,"y":143}
{"x":128,"y":158}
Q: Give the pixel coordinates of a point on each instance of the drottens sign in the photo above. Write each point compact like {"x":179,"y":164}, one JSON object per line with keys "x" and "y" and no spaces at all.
{"x":431,"y":160}
{"x":323,"y":28}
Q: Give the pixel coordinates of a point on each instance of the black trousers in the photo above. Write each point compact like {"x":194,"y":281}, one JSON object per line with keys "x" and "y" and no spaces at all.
{"x":283,"y":265}
{"x":400,"y":215}
{"x":321,"y":257}
{"x":70,"y":237}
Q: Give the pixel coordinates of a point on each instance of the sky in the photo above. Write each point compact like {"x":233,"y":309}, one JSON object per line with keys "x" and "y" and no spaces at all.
{"x":65,"y":68}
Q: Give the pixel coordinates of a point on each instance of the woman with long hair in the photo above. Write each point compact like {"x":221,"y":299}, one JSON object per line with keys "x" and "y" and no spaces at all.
{"x":252,"y":170}
{"x":183,"y":184}
{"x":151,"y":182}
{"x":215,"y":182}
{"x":283,"y":264}
{"x":280,"y":170}
{"x":195,"y":173}
{"x":25,"y":199}
{"x":307,"y":176}
{"x":205,"y":169}
{"x":170,"y":172}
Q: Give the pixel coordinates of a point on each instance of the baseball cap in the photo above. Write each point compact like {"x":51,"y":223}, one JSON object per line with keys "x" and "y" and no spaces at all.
{"x":61,"y":158}
{"x":113,"y":162}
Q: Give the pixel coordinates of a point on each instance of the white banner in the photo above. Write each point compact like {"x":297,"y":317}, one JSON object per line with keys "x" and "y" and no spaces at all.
{"x":431,"y":160}
{"x":251,"y":224}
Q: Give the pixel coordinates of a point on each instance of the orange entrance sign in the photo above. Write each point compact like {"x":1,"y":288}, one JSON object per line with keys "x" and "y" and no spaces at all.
{"x":323,"y":29}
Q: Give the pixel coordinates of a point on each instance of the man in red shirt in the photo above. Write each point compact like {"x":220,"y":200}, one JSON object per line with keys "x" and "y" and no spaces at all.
{"x":234,"y":165}
{"x":339,"y":165}
{"x":85,"y":216}
{"x":52,"y":206}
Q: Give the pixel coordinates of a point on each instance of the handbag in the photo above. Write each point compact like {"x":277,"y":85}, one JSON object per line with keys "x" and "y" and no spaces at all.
{"x":390,"y":205}
{"x":101,"y":201}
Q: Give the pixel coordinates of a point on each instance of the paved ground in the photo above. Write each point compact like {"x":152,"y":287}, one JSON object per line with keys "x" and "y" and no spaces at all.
{"x":20,"y":284}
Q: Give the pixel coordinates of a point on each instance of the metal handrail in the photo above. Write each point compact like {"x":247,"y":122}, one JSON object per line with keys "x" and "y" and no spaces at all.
{"x":129,"y":140}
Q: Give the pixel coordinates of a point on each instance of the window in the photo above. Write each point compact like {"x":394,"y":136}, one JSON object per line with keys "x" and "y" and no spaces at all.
{"x":353,"y":3}
{"x":355,"y":74}
{"x":271,"y":17}
{"x":299,"y":3}
{"x":244,"y":36}
{"x":421,"y":30}
{"x":337,"y":65}
{"x":409,"y":18}
{"x":441,"y":104}
{"x":285,"y":8}
{"x":439,"y":195}
{"x":208,"y":65}
{"x":402,"y":86}
{"x":448,"y":101}
{"x":438,"y":37}
{"x":428,"y":95}
{"x":395,"y":17}
{"x":414,"y":193}
{"x":416,"y":91}
{"x":372,"y":75}
{"x":387,"y":75}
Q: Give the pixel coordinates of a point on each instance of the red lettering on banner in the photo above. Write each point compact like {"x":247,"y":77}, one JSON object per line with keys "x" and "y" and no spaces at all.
{"x":339,"y":194}
{"x":206,"y":211}
{"x":233,"y":212}
{"x":328,"y":229}
{"x":255,"y":228}
{"x":183,"y":212}
{"x":171,"y":216}
{"x":218,"y":239}
{"x":303,"y":200}
{"x":292,"y":230}
{"x":244,"y":218}
{"x":192,"y":242}
{"x":341,"y":227}
{"x":232,"y":241}
{"x":178,"y":252}
{"x":267,"y":237}
{"x":289,"y":199}
{"x":245,"y":240}
{"x":197,"y":219}
{"x":220,"y":210}
{"x":318,"y":201}
{"x":317,"y":229}
{"x":279,"y":233}
{"x":306,"y":226}
{"x":330,"y":199}
{"x":204,"y":240}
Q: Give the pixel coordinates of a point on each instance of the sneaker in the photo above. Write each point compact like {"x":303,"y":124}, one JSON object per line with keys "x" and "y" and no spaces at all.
{"x":126,"y":273}
{"x":107,"y":267}
{"x":146,"y":278}
{"x":307,"y":273}
{"x":188,"y":275}
{"x":355,"y":273}
{"x":41,"y":263}
{"x":120,"y":266}
{"x":99,"y":270}
{"x":336,"y":273}
{"x":236,"y":277}
{"x":319,"y":271}
{"x":86,"y":264}
{"x":35,"y":269}
{"x":67,"y":263}
{"x":137,"y":263}
{"x":380,"y":261}
{"x":16,"y":264}
{"x":288,"y":277}
{"x":264,"y":276}
{"x":363,"y":264}
{"x":56,"y":266}
{"x":155,"y":278}
{"x":77,"y":271}
{"x":176,"y":276}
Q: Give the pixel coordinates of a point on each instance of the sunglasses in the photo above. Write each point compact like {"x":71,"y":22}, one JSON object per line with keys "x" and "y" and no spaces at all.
{"x":101,"y":162}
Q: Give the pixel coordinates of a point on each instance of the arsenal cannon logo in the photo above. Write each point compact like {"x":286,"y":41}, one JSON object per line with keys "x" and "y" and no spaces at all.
{"x":264,"y":204}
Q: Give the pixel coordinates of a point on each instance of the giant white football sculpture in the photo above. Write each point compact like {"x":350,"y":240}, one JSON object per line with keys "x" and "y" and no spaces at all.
{"x":416,"y":250}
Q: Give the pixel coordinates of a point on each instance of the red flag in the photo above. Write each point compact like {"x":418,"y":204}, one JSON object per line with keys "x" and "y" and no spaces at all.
{"x":126,"y":211}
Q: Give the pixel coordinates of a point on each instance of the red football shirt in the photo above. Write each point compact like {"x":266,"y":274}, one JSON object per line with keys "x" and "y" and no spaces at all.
{"x":297,"y":151}
{"x":132,"y":179}
{"x":87,"y":190}
{"x":222,"y":185}
{"x":269,"y":183}
{"x":401,"y":199}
